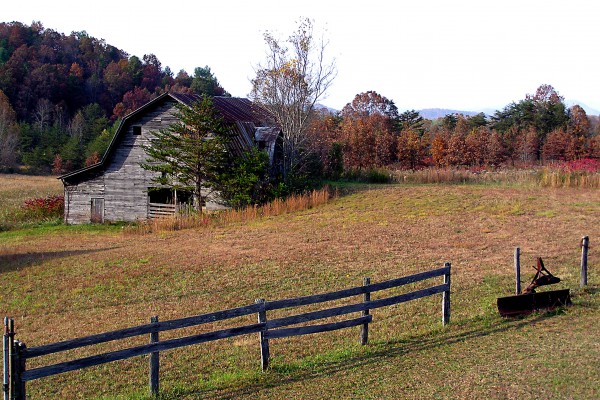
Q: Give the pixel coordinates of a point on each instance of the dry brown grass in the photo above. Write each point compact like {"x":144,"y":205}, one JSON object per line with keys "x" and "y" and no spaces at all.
{"x":545,"y":177}
{"x":75,"y":282}
{"x":277,"y":207}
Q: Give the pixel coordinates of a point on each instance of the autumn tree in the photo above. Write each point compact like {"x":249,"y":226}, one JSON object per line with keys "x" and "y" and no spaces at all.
{"x":579,"y":123}
{"x":495,"y":152}
{"x":439,"y":148}
{"x":555,"y":146}
{"x":132,"y":100}
{"x":528,"y":145}
{"x":326,"y":142}
{"x":294,"y":77}
{"x":369,"y":103}
{"x":411,"y":149}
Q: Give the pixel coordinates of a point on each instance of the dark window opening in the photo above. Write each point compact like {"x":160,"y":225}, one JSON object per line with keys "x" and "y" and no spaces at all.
{"x":137,"y":130}
{"x":168,"y":196}
{"x":262,"y":145}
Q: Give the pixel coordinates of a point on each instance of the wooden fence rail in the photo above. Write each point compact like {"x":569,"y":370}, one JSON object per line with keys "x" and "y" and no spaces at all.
{"x":16,"y":353}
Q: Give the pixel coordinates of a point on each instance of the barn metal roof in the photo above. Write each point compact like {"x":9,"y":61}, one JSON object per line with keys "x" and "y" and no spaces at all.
{"x":232,"y":109}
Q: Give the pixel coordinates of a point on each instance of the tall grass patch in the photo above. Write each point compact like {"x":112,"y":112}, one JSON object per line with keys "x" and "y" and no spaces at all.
{"x":190,"y":219}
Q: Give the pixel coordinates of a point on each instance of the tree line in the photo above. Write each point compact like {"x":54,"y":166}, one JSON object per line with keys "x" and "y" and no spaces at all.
{"x":62,"y":96}
{"x":370,"y":132}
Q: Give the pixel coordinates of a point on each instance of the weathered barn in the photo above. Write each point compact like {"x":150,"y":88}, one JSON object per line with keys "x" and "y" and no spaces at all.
{"x":119,"y":189}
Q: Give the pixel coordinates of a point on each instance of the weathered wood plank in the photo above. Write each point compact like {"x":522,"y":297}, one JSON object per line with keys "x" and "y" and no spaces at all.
{"x":306,"y":330}
{"x":262,"y":336}
{"x":364,"y":332}
{"x":446,"y":298}
{"x":60,"y":368}
{"x":335,"y":311}
{"x":153,"y":376}
{"x":340,"y":294}
{"x":140,"y":330}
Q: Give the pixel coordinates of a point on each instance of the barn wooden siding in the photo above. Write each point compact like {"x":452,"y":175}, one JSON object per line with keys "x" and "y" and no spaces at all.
{"x":124,"y":183}
{"x":117,"y":187}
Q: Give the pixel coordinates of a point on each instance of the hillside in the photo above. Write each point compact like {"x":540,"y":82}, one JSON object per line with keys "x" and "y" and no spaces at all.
{"x":64,"y":282}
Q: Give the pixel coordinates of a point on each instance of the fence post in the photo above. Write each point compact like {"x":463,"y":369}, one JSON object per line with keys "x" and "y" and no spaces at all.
{"x":264,"y":342}
{"x":154,"y":361}
{"x":585,"y":242}
{"x":12,"y":355}
{"x":517,"y":270}
{"x":5,"y":359}
{"x":446,"y":297}
{"x":19,"y":391}
{"x":364,"y":333}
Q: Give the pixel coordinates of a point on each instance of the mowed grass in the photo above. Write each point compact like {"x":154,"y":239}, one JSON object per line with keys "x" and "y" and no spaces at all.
{"x":72,"y":282}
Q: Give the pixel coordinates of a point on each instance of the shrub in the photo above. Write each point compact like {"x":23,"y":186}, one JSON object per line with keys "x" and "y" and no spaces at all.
{"x":44,"y":208}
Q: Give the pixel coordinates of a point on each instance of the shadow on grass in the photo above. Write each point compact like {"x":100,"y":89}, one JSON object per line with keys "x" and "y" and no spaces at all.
{"x":13,"y":262}
{"x":279,"y":375}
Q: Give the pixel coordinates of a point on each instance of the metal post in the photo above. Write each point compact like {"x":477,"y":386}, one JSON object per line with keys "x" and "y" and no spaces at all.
{"x":264,"y":342}
{"x":585,"y":243}
{"x":446,"y":297}
{"x":517,"y":270}
{"x":6,"y":362}
{"x":19,"y":390}
{"x":364,"y":333}
{"x":154,"y":361}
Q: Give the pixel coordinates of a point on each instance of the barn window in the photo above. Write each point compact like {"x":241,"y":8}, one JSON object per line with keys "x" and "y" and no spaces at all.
{"x":137,"y":130}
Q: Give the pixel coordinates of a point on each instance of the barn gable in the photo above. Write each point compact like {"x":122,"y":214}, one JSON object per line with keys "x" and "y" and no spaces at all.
{"x":117,"y":188}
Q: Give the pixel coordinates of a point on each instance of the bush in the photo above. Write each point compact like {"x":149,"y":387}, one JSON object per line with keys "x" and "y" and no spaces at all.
{"x":44,"y":208}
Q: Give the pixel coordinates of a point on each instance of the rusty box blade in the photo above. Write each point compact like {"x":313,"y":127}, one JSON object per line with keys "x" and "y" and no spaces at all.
{"x":527,"y":303}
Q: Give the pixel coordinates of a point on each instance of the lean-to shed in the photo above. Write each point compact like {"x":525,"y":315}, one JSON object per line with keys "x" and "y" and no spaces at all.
{"x":119,"y":189}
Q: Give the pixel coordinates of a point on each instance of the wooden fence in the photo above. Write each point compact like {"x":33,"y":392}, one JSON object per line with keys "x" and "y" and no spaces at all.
{"x":16,"y":353}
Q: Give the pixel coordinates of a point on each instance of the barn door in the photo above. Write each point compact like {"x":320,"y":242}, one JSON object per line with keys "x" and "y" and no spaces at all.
{"x":97,"y":210}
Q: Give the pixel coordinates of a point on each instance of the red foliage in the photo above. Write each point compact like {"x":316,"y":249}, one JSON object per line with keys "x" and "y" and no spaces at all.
{"x":583,"y":165}
{"x":45,"y":207}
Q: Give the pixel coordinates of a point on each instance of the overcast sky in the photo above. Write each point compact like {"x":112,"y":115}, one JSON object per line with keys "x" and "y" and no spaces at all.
{"x":462,"y":55}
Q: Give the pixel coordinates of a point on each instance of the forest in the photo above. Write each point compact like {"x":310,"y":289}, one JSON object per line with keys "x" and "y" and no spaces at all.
{"x":62,"y":97}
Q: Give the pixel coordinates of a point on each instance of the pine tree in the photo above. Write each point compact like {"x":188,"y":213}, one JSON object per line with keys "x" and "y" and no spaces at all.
{"x":192,"y":152}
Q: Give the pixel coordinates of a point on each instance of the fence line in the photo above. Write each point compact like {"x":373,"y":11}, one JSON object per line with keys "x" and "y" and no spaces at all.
{"x":16,"y":353}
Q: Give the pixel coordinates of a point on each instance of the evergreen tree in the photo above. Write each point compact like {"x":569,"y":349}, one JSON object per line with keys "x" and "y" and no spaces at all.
{"x":192,"y":152}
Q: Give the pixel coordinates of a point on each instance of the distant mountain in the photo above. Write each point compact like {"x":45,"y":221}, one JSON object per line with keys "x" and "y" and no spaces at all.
{"x":588,"y":110}
{"x":320,"y":106}
{"x":434,"y":113}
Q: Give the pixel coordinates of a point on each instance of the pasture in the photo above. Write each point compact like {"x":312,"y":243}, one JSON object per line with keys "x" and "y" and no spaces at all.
{"x":67,"y":282}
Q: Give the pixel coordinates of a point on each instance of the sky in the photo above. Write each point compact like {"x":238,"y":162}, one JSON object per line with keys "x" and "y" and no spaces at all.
{"x":459,"y":55}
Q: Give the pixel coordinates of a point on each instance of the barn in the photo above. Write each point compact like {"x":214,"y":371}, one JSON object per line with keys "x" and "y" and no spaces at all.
{"x":119,"y":189}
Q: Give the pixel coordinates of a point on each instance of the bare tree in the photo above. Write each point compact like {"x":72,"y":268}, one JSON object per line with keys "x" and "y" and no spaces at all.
{"x":9,"y":137}
{"x":294,"y":77}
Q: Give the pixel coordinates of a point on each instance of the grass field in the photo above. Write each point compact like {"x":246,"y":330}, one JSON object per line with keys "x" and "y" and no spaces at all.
{"x":65,"y":282}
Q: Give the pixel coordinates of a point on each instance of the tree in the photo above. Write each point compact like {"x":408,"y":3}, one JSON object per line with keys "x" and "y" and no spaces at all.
{"x":204,"y":82}
{"x":413,"y":120}
{"x":294,"y":77}
{"x":369,"y":141}
{"x":9,"y":137}
{"x":369,"y":103}
{"x":411,"y":149}
{"x":192,"y":152}
{"x":244,"y":178}
{"x":579,"y":123}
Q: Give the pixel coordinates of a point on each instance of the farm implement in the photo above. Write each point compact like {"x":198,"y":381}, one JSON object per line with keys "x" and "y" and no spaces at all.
{"x":529,"y":300}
